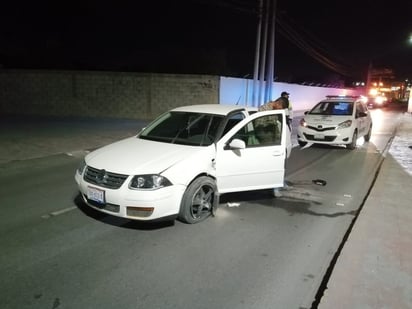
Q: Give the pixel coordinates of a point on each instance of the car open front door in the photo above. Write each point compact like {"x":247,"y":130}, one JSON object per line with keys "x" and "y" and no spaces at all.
{"x":252,"y":154}
{"x":360,"y":117}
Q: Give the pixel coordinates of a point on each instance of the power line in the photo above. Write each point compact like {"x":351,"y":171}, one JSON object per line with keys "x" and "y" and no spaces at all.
{"x":318,"y":53}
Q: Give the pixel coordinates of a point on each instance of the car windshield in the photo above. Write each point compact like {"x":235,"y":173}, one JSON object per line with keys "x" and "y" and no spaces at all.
{"x":335,"y":108}
{"x":183,"y":128}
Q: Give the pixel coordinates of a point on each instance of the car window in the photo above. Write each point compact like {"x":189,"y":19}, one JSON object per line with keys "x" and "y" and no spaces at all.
{"x":231,"y":121}
{"x":334,"y":108}
{"x":360,"y":108}
{"x":263,"y":131}
{"x":184,"y":128}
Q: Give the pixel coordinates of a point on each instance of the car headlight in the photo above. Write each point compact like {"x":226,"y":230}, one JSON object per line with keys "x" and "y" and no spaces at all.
{"x":345,"y":124}
{"x":378,"y":100}
{"x":302,"y":122}
{"x":81,"y":167}
{"x":149,"y":182}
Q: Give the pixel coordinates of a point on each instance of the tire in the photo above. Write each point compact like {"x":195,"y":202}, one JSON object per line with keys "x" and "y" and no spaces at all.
{"x":352,"y":145}
{"x":367,"y":137}
{"x":197,"y":201}
{"x":302,"y":144}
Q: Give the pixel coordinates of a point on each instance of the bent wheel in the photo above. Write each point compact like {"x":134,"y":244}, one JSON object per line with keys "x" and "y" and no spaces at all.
{"x":197,"y":201}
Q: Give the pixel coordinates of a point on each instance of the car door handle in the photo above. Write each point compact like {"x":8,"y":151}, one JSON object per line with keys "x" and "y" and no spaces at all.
{"x":278,"y":153}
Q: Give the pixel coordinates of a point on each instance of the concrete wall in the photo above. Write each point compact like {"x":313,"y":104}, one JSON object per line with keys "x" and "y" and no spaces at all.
{"x":240,"y":91}
{"x":102,"y":94}
{"x":132,"y":95}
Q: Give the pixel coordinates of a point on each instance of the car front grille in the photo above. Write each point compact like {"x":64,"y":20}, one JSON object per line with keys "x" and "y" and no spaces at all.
{"x":321,"y":129}
{"x":104,"y":178}
{"x":328,"y":138}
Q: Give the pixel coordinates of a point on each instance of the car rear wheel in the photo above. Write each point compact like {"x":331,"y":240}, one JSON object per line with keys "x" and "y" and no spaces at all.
{"x":198,"y":200}
{"x":367,"y":137}
{"x":352,"y":145}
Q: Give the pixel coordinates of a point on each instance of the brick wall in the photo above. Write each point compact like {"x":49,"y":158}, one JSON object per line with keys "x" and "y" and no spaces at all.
{"x":102,"y":94}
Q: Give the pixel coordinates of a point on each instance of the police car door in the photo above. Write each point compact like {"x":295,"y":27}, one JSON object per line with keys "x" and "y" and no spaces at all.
{"x":252,"y":154}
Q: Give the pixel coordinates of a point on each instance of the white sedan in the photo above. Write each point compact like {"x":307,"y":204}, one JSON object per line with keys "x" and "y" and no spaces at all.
{"x":337,"y":120}
{"x":181,"y":163}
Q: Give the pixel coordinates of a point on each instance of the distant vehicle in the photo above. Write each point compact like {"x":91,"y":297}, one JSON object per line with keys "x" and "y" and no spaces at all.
{"x":375,"y":101}
{"x":181,"y":163}
{"x":337,"y":120}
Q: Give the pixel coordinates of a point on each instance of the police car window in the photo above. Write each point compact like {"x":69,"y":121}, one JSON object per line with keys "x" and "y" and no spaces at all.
{"x":342,"y":108}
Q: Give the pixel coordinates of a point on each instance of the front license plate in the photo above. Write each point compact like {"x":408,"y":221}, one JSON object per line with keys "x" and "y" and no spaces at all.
{"x":95,"y":194}
{"x":319,"y":136}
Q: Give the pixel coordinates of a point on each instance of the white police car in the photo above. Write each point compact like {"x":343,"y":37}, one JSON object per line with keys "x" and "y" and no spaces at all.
{"x":336,"y":120}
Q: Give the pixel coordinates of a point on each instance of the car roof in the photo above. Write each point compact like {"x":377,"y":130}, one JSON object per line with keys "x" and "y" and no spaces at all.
{"x":219,"y":109}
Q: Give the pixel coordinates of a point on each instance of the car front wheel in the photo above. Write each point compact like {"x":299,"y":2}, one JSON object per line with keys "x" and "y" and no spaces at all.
{"x":198,"y":200}
{"x":367,"y":137}
{"x":352,"y":145}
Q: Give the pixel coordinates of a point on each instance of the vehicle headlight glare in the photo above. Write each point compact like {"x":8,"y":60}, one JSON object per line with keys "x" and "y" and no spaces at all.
{"x":302,"y":122}
{"x":149,"y":182}
{"x":345,"y":124}
{"x":379,"y":100}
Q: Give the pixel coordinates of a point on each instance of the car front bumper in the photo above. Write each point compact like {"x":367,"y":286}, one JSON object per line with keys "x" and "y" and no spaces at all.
{"x":329,"y":137}
{"x":145,"y":205}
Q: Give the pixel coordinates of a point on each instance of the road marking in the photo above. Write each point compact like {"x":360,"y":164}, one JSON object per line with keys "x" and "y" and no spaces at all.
{"x":59,"y":212}
{"x":233,"y":204}
{"x":77,"y":153}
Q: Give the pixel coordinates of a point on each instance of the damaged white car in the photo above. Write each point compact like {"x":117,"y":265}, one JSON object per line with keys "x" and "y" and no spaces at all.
{"x":179,"y":165}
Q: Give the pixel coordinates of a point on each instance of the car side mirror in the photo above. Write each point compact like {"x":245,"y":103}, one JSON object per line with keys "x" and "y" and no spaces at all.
{"x":237,"y":144}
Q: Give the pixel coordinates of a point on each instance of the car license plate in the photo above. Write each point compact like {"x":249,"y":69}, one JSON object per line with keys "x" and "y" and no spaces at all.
{"x":319,"y":136}
{"x":96,"y":195}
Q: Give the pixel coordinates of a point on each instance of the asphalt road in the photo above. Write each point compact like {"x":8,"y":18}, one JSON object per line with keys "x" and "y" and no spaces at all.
{"x":259,"y":253}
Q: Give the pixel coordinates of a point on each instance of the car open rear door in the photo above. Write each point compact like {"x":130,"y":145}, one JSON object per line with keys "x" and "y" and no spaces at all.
{"x":252,"y":154}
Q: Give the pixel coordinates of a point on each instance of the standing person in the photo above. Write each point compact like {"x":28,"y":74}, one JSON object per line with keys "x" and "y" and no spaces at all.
{"x":284,"y":98}
{"x":281,"y":103}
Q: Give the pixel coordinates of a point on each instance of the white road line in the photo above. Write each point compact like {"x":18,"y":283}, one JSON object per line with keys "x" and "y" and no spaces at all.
{"x":59,"y":212}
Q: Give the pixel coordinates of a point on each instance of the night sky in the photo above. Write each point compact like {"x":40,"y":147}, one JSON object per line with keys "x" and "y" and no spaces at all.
{"x":208,"y":37}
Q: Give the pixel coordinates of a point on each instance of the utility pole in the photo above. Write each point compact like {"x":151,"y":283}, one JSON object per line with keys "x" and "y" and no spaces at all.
{"x":270,"y":70}
{"x":257,"y":54}
{"x":263,"y":76}
{"x":263,"y":54}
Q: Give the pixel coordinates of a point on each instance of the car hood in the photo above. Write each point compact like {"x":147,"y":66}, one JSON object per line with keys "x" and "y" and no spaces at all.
{"x":325,"y":120}
{"x":138,"y":156}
